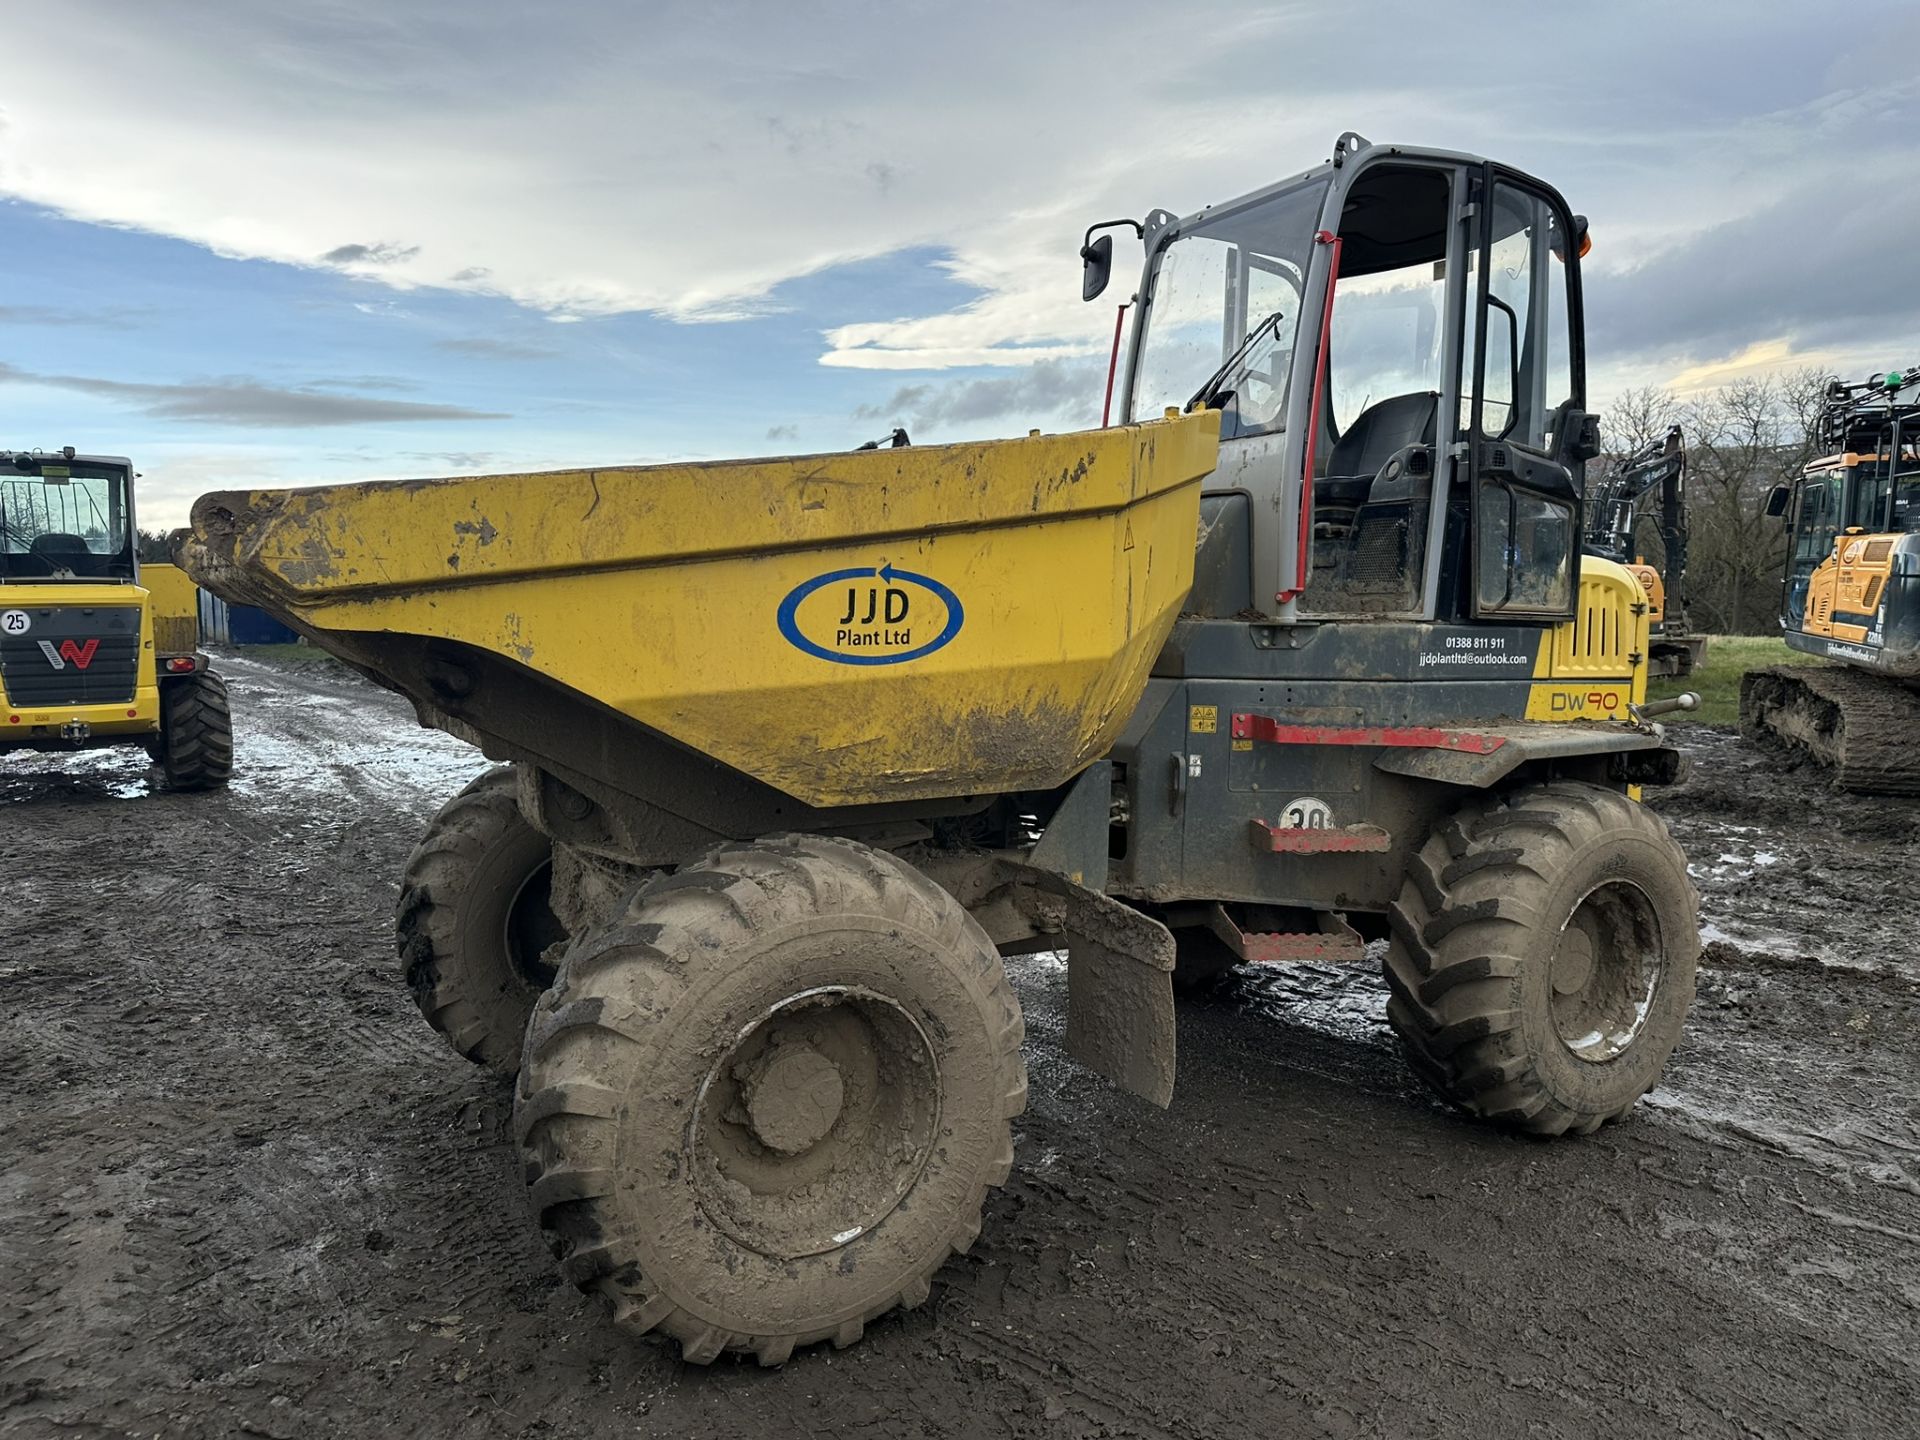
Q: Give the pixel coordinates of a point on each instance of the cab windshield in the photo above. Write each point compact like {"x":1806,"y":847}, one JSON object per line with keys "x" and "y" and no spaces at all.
{"x":63,"y":521}
{"x":1230,"y":276}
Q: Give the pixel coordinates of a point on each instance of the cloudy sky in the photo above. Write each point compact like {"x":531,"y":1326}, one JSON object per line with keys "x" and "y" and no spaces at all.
{"x":261,"y":241}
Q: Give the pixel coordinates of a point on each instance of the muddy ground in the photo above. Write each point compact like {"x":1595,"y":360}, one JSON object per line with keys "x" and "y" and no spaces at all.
{"x":244,"y":1191}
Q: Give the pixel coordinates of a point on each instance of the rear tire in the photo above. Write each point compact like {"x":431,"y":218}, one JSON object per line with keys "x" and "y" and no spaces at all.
{"x":195,"y":746}
{"x":474,"y":922}
{"x":1541,"y":957}
{"x":762,"y":1106}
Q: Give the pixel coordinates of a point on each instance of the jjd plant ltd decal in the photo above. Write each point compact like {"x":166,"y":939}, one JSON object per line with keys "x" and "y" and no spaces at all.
{"x":870,"y":615}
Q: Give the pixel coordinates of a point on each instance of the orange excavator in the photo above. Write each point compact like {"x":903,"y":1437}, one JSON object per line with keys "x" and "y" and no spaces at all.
{"x":1852,"y":594}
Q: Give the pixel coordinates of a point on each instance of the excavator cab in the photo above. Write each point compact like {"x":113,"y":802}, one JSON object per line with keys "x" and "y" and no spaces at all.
{"x":1393,"y":342}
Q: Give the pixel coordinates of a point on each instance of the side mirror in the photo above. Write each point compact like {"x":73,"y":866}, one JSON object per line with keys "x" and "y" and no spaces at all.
{"x":1581,"y":437}
{"x":1778,"y":499}
{"x":1097,"y":258}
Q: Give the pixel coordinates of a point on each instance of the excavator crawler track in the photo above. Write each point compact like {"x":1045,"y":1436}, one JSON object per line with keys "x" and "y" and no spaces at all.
{"x":1864,"y":727}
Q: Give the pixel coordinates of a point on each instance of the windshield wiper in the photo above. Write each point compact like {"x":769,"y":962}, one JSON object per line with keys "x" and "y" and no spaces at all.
{"x":1208,"y":390}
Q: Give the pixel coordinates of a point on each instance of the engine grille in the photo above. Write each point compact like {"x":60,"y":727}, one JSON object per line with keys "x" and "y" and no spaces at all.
{"x":71,"y":655}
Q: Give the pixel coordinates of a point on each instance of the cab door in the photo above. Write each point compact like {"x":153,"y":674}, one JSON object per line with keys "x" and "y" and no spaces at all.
{"x":1527,"y":393}
{"x":1816,"y":525}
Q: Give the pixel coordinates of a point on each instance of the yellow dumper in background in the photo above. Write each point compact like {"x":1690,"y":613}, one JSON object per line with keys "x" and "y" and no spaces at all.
{"x":96,"y":648}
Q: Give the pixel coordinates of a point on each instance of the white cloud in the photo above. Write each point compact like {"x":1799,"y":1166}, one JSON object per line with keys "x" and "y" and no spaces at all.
{"x":687,"y":159}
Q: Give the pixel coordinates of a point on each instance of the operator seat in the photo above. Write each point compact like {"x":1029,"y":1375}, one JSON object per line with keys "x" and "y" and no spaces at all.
{"x":60,"y":551}
{"x":1375,"y":436}
{"x":1369,"y":541}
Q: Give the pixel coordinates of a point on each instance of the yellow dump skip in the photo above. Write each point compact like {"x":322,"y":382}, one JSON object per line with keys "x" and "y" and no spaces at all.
{"x":882,"y":625}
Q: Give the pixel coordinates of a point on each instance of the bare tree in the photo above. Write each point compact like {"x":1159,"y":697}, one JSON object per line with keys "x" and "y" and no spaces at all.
{"x":1635,"y":419}
{"x":1638,"y":417}
{"x":1743,"y":439}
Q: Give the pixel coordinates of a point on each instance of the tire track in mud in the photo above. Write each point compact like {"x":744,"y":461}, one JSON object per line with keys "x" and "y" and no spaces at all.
{"x":1788,"y":865}
{"x":1390,"y":1230}
{"x":247,"y":1191}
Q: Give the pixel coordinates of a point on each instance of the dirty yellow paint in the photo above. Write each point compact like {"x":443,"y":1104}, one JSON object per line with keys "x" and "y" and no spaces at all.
{"x":1594,"y":665}
{"x":1203,"y":719}
{"x":175,"y":607}
{"x":933,"y":620}
{"x":138,"y":716}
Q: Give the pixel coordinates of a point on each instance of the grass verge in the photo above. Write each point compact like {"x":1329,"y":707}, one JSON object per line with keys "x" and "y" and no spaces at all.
{"x":291,"y":653}
{"x":1717,"y":681}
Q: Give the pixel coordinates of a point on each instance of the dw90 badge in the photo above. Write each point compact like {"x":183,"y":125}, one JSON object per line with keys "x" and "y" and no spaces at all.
{"x":870,"y":615}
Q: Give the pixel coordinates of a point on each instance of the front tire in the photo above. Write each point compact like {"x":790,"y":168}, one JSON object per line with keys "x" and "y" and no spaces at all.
{"x":1541,"y":957}
{"x":474,"y":924}
{"x":195,"y":745}
{"x":761,"y":1107}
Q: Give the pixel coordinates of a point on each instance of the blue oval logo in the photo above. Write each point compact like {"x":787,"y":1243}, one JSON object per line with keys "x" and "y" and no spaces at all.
{"x":870,"y":615}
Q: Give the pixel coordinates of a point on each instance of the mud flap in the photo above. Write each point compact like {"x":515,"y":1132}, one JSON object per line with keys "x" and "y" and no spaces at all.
{"x":1120,"y":994}
{"x":1119,"y":961}
{"x":1120,"y":1017}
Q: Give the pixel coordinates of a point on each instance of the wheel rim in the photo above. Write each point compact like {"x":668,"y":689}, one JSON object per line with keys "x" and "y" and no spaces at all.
{"x":1606,"y":969}
{"x":531,"y":927}
{"x":815,"y":1122}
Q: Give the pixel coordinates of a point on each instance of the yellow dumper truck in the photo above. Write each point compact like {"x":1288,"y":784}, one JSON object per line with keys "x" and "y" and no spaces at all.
{"x":1299,"y":656}
{"x":96,"y":648}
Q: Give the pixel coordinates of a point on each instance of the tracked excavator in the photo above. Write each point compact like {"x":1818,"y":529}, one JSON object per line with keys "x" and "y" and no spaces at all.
{"x":1852,"y":595}
{"x":1634,"y":485}
{"x":1300,"y":654}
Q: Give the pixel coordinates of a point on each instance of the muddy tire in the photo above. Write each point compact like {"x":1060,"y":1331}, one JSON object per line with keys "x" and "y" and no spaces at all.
{"x":194,"y":748}
{"x":761,"y":1107}
{"x":1541,"y":957}
{"x":474,"y":922}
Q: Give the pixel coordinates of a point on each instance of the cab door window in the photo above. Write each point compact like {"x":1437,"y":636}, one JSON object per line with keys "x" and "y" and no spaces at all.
{"x":1816,"y":523}
{"x":1819,"y":519}
{"x":1524,"y":384}
{"x":1385,"y":369}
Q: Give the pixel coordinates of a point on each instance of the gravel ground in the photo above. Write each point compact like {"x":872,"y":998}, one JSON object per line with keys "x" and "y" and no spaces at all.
{"x":247,"y":1192}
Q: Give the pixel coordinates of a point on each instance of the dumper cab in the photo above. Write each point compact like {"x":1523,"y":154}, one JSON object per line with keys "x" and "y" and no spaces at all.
{"x":1389,"y":587}
{"x":1393,"y":342}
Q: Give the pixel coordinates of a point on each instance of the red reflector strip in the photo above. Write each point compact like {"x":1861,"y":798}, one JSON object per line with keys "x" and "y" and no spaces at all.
{"x":1285,"y":949}
{"x":1418,"y":737}
{"x":1345,"y":840}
